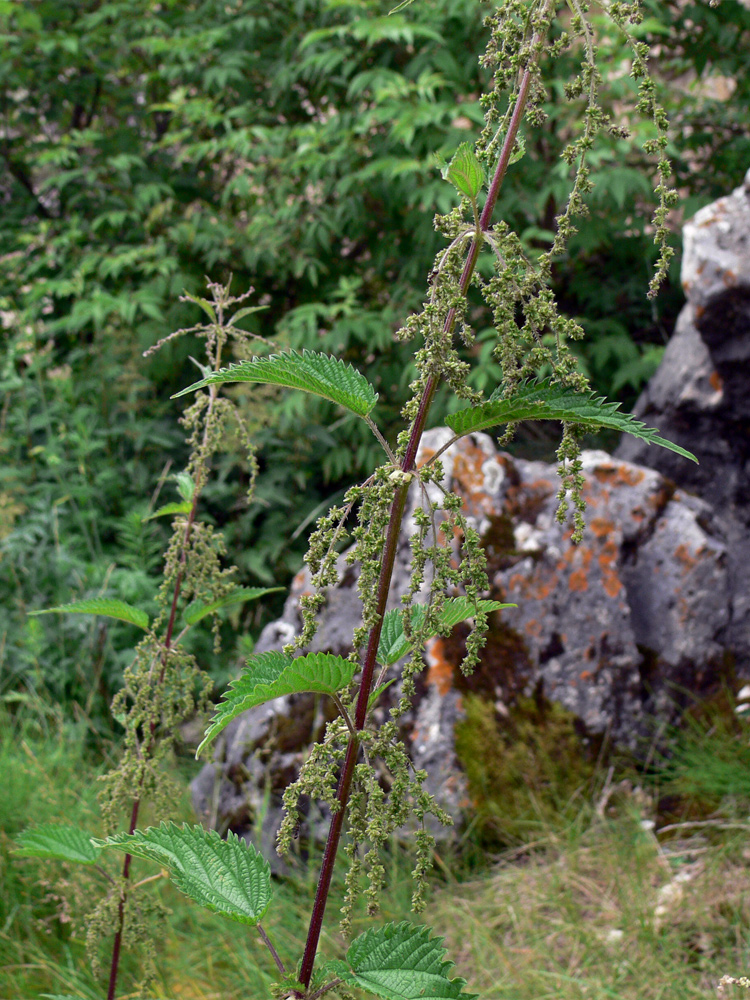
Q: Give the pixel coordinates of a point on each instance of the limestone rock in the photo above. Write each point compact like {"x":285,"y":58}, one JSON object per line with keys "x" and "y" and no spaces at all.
{"x":613,"y":629}
{"x":700,"y":395}
{"x":652,"y":607}
{"x":716,"y":251}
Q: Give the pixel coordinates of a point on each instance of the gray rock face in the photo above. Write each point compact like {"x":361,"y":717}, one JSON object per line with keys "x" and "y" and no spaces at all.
{"x":700,"y":395}
{"x":614,"y":624}
{"x":614,"y":629}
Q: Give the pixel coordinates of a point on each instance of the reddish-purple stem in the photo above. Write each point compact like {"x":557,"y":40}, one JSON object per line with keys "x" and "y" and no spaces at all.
{"x":389,"y":555}
{"x":116,"y":944}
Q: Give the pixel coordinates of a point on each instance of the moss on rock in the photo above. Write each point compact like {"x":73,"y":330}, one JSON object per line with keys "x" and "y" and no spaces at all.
{"x":526,"y":767}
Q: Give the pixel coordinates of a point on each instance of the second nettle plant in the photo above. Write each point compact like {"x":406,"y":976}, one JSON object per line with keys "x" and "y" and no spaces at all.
{"x":399,"y":961}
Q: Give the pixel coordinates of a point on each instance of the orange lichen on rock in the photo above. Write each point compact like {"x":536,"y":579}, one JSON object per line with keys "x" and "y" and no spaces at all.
{"x":454,"y":785}
{"x":534,"y":628}
{"x":686,"y":558}
{"x":579,"y":558}
{"x":582,"y":556}
{"x":619,"y":474}
{"x":439,"y":668}
{"x":661,"y":497}
{"x":425,"y":454}
{"x":535,"y":587}
{"x":525,"y":502}
{"x":601,"y":527}
{"x":469,"y":480}
{"x":711,"y":220}
{"x":612,"y":585}
{"x":544,"y":583}
{"x":298,"y":585}
{"x":578,"y":580}
{"x":578,"y":554}
{"x":683,"y":610}
{"x":611,"y":582}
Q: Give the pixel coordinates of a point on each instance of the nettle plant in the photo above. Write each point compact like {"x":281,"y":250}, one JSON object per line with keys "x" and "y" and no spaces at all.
{"x":164,"y":685}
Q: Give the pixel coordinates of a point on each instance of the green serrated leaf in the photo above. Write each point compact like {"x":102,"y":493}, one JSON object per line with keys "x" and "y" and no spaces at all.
{"x":110,"y":608}
{"x":178,"y":507}
{"x":197,"y":610}
{"x":185,"y":486}
{"x":465,"y":171}
{"x":319,"y":374}
{"x":226,"y":876}
{"x":393,"y":641}
{"x":247,"y":311}
{"x":458,"y":609}
{"x":270,"y":675}
{"x":205,"y":305}
{"x":57,"y":840}
{"x":544,"y":400}
{"x":401,"y":962}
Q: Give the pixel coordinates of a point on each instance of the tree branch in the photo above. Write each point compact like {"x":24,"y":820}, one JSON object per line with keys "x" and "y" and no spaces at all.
{"x":17,"y":171}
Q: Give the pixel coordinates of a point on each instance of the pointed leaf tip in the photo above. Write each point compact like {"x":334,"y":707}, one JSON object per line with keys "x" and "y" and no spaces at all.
{"x":178,"y":507}
{"x":198,"y":609}
{"x":465,"y":171}
{"x":59,"y":841}
{"x":393,"y":640}
{"x":109,"y":608}
{"x":545,"y":400}
{"x":273,"y":674}
{"x":185,"y":486}
{"x":319,"y":374}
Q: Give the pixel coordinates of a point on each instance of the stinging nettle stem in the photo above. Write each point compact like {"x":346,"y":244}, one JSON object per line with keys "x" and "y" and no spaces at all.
{"x":389,"y":552}
{"x":117,"y":943}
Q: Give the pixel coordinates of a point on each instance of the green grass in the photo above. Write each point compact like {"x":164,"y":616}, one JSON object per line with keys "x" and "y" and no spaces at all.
{"x":47,"y":776}
{"x":707,"y":765}
{"x":577,"y":920}
{"x":571,"y":916}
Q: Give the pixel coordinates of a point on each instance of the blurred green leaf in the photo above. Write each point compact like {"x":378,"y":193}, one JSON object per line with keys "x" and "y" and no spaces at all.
{"x":197,"y":610}
{"x":177,"y":507}
{"x":108,"y":607}
{"x":59,"y":841}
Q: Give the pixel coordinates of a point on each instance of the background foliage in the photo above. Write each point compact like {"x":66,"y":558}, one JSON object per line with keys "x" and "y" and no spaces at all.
{"x":146,"y":145}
